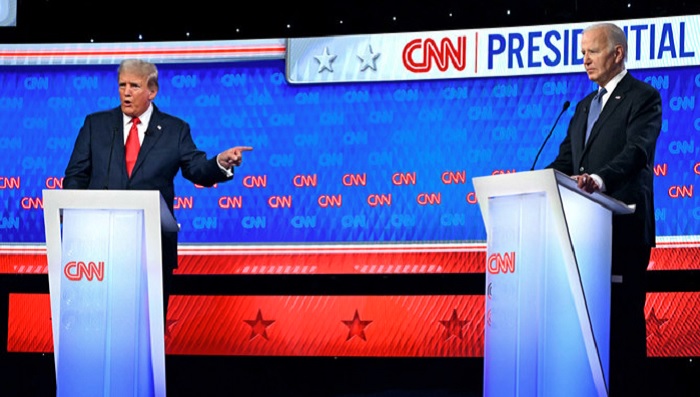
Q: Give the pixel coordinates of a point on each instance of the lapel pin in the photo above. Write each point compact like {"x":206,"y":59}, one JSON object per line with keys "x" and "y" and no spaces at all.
{"x":159,"y":127}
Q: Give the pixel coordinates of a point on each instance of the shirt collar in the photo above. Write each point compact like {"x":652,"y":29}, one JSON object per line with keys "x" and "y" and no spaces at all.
{"x":612,"y":84}
{"x":145,"y":117}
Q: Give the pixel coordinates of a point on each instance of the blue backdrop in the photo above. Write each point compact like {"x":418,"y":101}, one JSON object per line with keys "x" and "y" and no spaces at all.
{"x":338,"y":163}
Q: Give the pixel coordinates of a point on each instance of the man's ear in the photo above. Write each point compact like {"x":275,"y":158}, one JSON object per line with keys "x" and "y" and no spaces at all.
{"x":619,"y":54}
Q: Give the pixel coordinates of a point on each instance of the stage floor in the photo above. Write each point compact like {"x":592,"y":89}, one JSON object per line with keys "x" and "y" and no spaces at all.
{"x":25,"y":375}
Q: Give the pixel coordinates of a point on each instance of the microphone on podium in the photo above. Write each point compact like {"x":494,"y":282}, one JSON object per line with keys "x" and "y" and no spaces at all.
{"x":563,"y":109}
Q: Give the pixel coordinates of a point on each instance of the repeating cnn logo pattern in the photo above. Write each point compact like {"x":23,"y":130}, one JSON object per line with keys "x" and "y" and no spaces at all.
{"x":361,"y":162}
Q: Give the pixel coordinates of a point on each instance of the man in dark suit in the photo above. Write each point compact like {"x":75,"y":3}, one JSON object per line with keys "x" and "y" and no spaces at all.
{"x":617,"y":159}
{"x":163,"y":147}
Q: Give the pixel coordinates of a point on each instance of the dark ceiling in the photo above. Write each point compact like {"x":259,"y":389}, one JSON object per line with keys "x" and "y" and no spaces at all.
{"x":79,"y":21}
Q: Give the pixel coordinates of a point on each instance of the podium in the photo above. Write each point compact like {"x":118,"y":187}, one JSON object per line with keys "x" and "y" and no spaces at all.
{"x":105,"y":284}
{"x":548,"y":283}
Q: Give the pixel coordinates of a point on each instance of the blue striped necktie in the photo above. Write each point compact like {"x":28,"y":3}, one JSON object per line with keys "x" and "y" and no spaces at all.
{"x":594,"y":112}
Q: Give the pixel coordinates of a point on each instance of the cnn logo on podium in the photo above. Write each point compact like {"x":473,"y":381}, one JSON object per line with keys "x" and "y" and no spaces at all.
{"x":501,"y":263}
{"x":79,"y":270}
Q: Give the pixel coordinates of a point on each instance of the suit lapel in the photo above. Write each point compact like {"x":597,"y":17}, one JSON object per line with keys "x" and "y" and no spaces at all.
{"x":613,"y":102}
{"x":580,"y":132}
{"x":118,"y":155}
{"x":615,"y":99}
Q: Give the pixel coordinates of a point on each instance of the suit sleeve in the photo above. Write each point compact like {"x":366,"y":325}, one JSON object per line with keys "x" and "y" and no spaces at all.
{"x":194,"y":163}
{"x":643,"y":127}
{"x":79,"y":169}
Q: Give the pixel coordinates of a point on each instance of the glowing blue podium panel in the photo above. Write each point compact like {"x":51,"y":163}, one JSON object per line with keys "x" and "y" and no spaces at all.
{"x":547,"y":326}
{"x":105,"y":284}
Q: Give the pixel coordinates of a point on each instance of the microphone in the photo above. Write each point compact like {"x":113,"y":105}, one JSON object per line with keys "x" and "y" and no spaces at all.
{"x":109,"y":161}
{"x":563,"y":109}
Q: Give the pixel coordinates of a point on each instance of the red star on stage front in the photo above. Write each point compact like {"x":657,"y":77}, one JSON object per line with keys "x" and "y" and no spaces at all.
{"x":259,"y":326}
{"x":169,"y":325}
{"x":357,"y":327}
{"x":453,"y":326}
{"x":654,"y":324}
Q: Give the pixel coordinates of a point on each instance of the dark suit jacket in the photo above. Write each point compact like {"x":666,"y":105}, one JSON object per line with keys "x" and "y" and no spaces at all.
{"x":621,"y":151}
{"x":98,"y":161}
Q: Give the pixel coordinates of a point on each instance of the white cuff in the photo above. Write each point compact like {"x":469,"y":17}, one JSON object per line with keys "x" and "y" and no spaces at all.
{"x":227,"y":171}
{"x":599,"y":181}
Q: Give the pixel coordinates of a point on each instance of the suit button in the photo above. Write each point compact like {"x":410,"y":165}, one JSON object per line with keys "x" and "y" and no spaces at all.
{"x":581,"y":169}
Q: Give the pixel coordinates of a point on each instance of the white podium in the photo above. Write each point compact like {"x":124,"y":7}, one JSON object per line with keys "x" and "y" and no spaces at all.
{"x":105,"y":283}
{"x":548,"y":279}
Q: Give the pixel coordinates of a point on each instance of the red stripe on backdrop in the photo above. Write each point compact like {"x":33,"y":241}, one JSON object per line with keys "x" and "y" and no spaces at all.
{"x":362,"y":326}
{"x":29,"y":324}
{"x":335,"y":263}
{"x":261,"y":50}
{"x":337,"y":260}
{"x":387,"y":326}
{"x":673,"y":324}
{"x":674,"y":258}
{"x":308,"y":261}
{"x":367,"y":326}
{"x":23,"y":263}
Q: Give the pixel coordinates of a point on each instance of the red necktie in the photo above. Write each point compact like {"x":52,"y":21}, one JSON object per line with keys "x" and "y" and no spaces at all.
{"x":131,"y":149}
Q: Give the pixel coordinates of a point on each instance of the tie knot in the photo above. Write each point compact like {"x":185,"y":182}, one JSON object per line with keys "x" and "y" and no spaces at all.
{"x":135,"y":121}
{"x":599,"y":95}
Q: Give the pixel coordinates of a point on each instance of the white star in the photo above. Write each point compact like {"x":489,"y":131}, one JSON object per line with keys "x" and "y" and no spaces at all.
{"x":368,"y":59}
{"x":325,"y":61}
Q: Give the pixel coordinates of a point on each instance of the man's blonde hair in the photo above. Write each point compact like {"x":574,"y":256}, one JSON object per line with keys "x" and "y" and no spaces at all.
{"x":140,"y":68}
